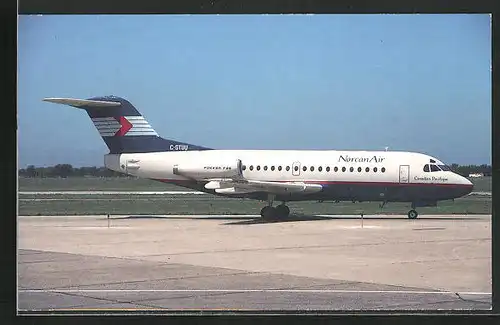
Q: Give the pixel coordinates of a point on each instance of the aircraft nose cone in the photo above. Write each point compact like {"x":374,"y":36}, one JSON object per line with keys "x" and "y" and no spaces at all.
{"x":466,"y":186}
{"x":469,"y":184}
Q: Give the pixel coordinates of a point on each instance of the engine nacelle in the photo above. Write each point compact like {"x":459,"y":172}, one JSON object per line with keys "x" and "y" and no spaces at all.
{"x":232,"y":190}
{"x":210,"y":169}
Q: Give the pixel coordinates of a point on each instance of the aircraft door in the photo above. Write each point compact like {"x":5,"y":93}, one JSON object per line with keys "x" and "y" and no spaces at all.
{"x":404,"y":173}
{"x":296,"y":168}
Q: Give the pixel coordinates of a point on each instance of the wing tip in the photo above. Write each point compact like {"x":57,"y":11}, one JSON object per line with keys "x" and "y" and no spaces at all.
{"x":50,"y":99}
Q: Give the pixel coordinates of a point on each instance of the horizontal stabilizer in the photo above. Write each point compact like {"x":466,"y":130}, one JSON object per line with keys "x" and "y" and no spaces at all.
{"x":79,"y":103}
{"x":122,"y":126}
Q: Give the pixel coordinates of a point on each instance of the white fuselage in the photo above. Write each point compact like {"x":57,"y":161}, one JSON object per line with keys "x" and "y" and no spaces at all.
{"x":328,"y":165}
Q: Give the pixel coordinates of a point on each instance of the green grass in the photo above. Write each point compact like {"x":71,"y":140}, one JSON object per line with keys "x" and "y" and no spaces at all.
{"x":482,"y":184}
{"x":93,"y":184}
{"x":208,"y":204}
{"x":201,"y":204}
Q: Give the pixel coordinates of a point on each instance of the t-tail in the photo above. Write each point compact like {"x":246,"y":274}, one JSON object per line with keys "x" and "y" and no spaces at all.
{"x":122,"y":127}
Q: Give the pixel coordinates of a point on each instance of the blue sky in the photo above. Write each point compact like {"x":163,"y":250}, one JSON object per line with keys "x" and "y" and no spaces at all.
{"x":411,"y":82}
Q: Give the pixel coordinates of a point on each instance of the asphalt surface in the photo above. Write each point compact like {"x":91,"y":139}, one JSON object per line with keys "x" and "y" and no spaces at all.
{"x":242,"y":263}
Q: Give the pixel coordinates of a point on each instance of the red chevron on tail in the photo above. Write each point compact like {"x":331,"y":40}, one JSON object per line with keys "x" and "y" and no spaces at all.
{"x":125,"y":126}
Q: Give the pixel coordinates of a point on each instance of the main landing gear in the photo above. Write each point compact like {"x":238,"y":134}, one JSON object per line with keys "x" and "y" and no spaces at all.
{"x":269,"y":212}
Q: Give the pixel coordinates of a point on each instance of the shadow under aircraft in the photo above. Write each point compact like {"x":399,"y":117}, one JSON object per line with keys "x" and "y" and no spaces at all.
{"x":298,"y":218}
{"x":250,"y":220}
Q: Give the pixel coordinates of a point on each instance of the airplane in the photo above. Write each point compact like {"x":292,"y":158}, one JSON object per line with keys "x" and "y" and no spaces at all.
{"x":136,"y":149}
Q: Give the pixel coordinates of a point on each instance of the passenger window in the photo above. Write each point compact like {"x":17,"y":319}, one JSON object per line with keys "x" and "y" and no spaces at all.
{"x":343,"y":169}
{"x":279,"y":168}
{"x":426,"y":168}
{"x":304,"y":168}
{"x":265,"y":167}
{"x":312,"y":168}
{"x":320,"y":168}
{"x":251,"y":167}
{"x":243,"y":167}
{"x":367,"y":169}
{"x":258,"y":167}
{"x":374,"y":169}
{"x":336,"y":169}
{"x":434,"y":168}
{"x":296,"y":168}
{"x":288,"y":168}
{"x":351,"y":169}
{"x":383,"y":169}
{"x":328,"y":168}
{"x":359,"y":169}
{"x":272,"y":168}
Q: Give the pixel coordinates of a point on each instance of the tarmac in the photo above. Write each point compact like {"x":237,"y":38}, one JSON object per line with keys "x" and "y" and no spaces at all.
{"x":241,"y":263}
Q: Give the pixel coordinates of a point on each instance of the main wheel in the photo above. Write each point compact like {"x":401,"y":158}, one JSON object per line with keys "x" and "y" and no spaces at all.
{"x":282,"y":210}
{"x":412,"y":214}
{"x":268,"y":212}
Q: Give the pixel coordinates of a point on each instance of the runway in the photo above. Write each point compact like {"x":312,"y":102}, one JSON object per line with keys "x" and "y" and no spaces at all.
{"x":242,"y":263}
{"x":149,"y":193}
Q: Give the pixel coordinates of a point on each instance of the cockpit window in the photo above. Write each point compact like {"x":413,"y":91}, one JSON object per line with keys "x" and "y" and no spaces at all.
{"x":445,"y":168}
{"x":435,"y":168}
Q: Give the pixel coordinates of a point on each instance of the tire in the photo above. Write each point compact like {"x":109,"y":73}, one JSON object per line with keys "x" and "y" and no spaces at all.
{"x":282,"y":211}
{"x":412,"y":214}
{"x":268,"y":213}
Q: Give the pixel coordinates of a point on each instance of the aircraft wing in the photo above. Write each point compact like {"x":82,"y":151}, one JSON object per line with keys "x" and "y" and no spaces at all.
{"x":248,"y":186}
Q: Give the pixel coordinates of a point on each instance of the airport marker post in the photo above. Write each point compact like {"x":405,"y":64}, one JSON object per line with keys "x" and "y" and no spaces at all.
{"x":361,"y":219}
{"x":108,"y":220}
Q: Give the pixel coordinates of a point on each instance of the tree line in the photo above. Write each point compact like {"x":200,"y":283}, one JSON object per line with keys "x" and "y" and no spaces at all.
{"x":466,"y":170}
{"x":67,"y":170}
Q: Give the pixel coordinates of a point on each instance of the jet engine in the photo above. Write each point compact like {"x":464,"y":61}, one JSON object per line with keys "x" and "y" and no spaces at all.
{"x":210,"y":169}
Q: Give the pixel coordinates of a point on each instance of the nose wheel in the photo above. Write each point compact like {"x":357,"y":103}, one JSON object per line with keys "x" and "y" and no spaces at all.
{"x":412,"y":214}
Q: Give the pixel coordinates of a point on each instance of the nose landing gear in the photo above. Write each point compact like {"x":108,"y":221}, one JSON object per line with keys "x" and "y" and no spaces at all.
{"x":412,"y":214}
